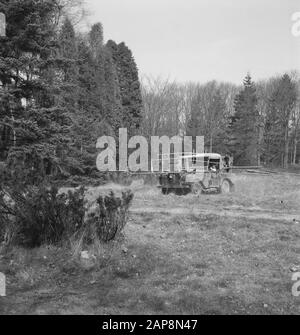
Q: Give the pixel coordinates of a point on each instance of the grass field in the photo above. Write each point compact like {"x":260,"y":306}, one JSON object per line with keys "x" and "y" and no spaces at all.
{"x":212,"y":254}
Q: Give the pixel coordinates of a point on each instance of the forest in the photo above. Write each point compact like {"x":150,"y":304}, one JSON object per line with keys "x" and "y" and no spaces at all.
{"x":62,"y":88}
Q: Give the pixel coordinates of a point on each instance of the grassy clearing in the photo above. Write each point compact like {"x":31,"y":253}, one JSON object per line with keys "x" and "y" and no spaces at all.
{"x":266,"y":193}
{"x":172,"y":263}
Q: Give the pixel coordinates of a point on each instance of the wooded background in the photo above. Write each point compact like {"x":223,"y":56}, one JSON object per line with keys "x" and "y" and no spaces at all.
{"x":61,"y":89}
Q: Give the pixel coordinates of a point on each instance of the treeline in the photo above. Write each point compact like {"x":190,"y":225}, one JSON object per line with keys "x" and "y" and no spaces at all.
{"x":256,"y":123}
{"x":60,"y":90}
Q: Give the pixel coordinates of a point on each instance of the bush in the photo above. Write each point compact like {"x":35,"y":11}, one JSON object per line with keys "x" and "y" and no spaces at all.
{"x":31,"y":216}
{"x":40,"y":215}
{"x":109,"y":217}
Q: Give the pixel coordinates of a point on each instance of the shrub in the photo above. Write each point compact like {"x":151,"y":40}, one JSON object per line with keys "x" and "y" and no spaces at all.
{"x":33,"y":216}
{"x":109,"y":216}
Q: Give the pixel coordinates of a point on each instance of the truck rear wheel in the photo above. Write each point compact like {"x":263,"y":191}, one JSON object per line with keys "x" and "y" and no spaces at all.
{"x":181,"y":191}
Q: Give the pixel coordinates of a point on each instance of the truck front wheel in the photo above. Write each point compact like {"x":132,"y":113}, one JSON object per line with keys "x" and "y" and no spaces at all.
{"x":197,"y":189}
{"x":165,"y":191}
{"x":226,"y":186}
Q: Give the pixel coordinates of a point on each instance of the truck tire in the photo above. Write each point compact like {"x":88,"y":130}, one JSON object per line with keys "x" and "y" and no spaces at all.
{"x":226,"y":186}
{"x":165,"y":191}
{"x":197,"y":189}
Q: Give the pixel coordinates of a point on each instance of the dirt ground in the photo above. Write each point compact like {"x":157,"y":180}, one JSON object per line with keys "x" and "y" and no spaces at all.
{"x":212,"y":254}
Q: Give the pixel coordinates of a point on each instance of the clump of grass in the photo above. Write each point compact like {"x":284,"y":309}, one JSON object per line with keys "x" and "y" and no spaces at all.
{"x":99,"y":254}
{"x":102,"y":234}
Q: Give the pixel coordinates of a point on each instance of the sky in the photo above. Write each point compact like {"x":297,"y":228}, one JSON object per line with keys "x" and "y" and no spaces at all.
{"x":202,"y":40}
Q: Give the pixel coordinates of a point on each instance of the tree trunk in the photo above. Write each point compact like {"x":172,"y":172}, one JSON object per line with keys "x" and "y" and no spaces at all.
{"x":286,"y":148}
{"x":13,"y":129}
{"x":260,"y":142}
{"x":211,"y":144}
{"x":295,"y":150}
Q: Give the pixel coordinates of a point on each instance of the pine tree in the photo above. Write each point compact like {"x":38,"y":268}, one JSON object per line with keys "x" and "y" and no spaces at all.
{"x":70,"y":96}
{"x":68,"y":52}
{"x":60,"y":92}
{"x":34,"y":124}
{"x":113,"y":103}
{"x":244,"y":127}
{"x":98,"y":56}
{"x":129,"y":85}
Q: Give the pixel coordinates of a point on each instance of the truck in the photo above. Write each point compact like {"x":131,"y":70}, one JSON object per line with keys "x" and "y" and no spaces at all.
{"x":196,"y":173}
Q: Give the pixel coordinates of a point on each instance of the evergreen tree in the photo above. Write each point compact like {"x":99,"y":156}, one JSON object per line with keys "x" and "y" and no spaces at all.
{"x":129,"y":85}
{"x":60,"y":92}
{"x":68,"y":53}
{"x":244,"y":127}
{"x":113,"y":103}
{"x":34,"y":124}
{"x":98,"y":56}
{"x":86,"y":77}
{"x":70,"y":95}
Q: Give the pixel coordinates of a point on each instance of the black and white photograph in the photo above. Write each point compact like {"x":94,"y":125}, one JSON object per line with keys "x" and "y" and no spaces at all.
{"x":149,"y":160}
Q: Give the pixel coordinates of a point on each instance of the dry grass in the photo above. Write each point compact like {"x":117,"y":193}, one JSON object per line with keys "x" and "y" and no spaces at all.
{"x":202,"y":262}
{"x":257,"y":192}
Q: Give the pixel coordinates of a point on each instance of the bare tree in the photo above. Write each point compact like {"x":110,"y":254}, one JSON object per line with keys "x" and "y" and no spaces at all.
{"x":75,"y":10}
{"x":212,"y":104}
{"x":163,"y":107}
{"x":173,"y":109}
